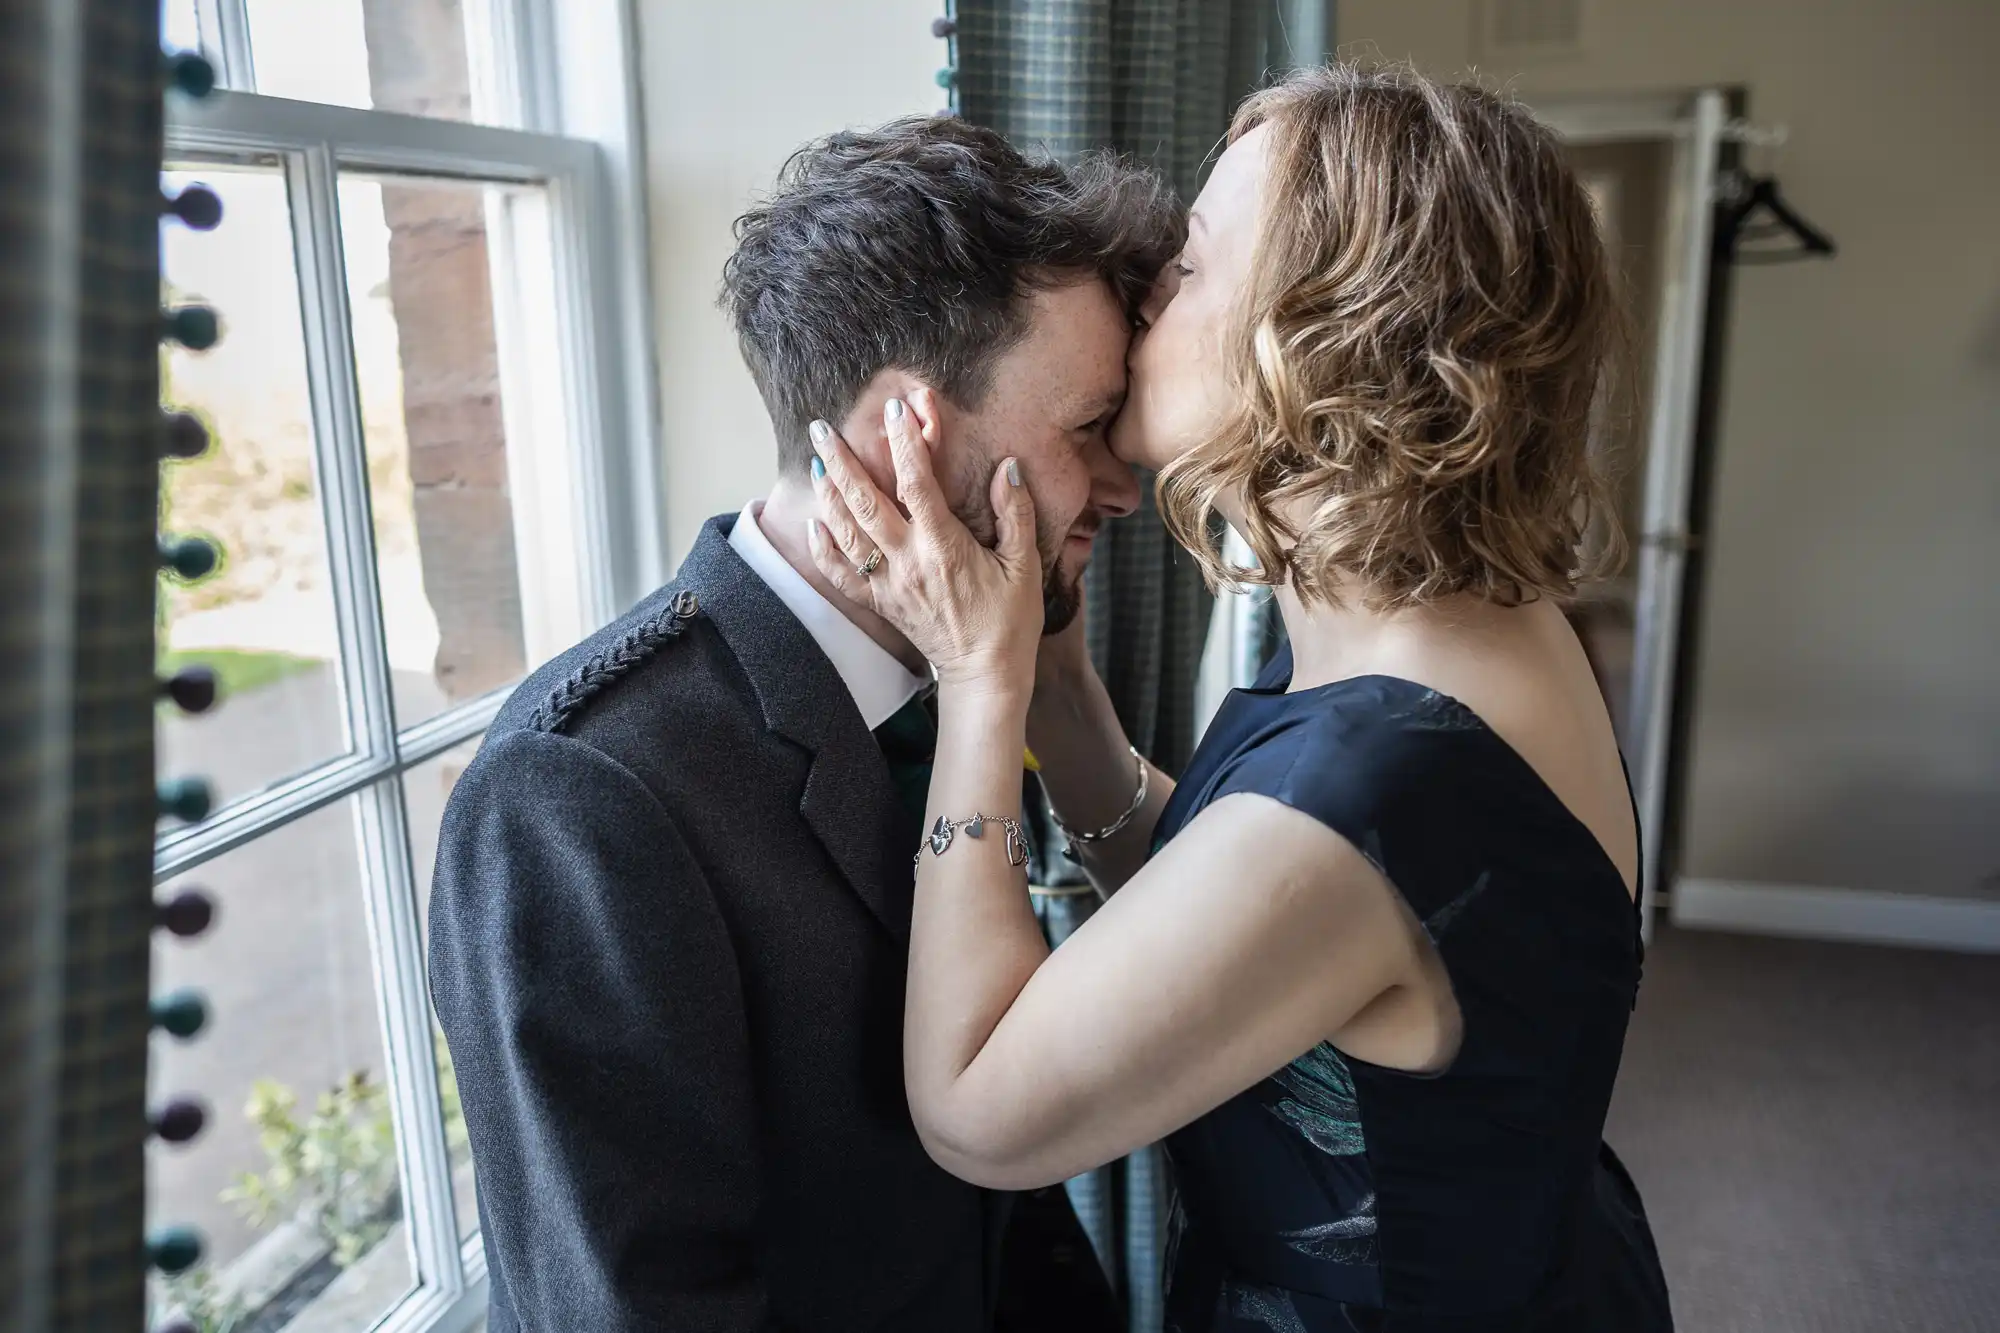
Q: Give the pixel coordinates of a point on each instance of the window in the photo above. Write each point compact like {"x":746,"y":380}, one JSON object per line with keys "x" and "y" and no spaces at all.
{"x":430,"y":472}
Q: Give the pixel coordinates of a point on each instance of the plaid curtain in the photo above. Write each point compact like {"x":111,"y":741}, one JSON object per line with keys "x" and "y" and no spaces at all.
{"x":80,"y":126}
{"x":1156,"y":79}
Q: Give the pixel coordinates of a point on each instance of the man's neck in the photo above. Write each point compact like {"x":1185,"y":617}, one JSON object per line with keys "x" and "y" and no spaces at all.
{"x":783,"y":521}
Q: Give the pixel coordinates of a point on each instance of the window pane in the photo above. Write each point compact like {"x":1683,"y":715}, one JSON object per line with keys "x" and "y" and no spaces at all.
{"x":470,"y":463}
{"x":264,"y":620}
{"x":294,"y":1182}
{"x":425,"y":790}
{"x":391,"y":55}
{"x":178,"y":29}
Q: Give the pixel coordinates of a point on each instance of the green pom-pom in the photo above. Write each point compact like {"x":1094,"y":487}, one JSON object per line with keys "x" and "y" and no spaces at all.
{"x":181,"y":1013}
{"x":174,"y":1249}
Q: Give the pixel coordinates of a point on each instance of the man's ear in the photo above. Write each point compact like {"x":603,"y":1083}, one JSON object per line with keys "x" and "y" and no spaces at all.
{"x":863,"y":429}
{"x":864,"y":432}
{"x":927,"y":405}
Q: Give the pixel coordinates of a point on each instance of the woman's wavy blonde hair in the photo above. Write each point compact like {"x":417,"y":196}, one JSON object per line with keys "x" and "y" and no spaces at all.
{"x":1428,"y":323}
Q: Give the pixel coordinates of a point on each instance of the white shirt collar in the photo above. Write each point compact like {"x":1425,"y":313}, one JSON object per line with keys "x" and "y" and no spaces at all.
{"x":879,"y":682}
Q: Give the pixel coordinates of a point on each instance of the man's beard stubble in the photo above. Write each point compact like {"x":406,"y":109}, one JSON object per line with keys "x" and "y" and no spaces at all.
{"x":1062,"y":597}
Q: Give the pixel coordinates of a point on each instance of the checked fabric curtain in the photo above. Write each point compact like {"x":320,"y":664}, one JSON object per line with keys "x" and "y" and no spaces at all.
{"x":80,"y":432}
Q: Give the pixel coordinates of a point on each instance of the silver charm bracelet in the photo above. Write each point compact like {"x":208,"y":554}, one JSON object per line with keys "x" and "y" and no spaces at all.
{"x":1117,"y":825}
{"x":945,"y":830}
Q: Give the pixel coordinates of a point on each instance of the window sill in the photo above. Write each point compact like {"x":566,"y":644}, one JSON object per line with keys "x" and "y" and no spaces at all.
{"x":357,"y":1298}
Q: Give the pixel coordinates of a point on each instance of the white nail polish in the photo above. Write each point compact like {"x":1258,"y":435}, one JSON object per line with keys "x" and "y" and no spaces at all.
{"x":819,"y":430}
{"x":1013,"y":472}
{"x":893,"y":409}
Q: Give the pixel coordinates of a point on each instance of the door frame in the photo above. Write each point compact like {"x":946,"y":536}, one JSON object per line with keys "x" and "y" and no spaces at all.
{"x":1695,"y":123}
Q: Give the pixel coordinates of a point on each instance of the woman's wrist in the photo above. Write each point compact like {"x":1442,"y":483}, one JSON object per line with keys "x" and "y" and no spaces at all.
{"x":1082,"y":836}
{"x":989,"y":700}
{"x":997,"y":676}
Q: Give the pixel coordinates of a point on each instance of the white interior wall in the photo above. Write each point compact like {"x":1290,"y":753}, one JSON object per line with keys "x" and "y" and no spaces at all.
{"x":1848,"y":729}
{"x":729,"y":91}
{"x":1849,"y":725}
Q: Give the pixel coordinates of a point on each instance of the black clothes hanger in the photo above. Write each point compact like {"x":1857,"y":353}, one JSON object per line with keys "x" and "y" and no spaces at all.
{"x":1754,"y":225}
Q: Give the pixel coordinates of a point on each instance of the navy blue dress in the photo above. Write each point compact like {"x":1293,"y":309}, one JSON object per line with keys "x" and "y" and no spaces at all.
{"x":1337,"y":1195}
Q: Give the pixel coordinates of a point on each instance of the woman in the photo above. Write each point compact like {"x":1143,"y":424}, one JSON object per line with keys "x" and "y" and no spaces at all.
{"x":1367,"y":968}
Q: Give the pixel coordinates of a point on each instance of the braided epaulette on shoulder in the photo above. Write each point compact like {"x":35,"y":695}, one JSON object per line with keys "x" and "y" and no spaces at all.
{"x":633,"y":647}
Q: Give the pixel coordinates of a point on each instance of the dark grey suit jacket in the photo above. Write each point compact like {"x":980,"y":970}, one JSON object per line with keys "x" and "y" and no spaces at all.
{"x":669,"y":929}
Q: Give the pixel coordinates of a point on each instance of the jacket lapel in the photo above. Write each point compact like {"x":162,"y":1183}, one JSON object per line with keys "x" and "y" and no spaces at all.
{"x":850,"y":803}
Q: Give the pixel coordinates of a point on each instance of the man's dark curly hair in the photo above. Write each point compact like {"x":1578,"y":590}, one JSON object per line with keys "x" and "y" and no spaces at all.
{"x":916,"y":246}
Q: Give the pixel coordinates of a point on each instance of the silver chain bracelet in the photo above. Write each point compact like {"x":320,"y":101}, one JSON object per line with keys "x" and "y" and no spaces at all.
{"x":1117,"y":825}
{"x":944,"y":830}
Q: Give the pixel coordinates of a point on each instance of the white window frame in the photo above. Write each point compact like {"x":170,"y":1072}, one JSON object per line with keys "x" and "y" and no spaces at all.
{"x":571,"y":84}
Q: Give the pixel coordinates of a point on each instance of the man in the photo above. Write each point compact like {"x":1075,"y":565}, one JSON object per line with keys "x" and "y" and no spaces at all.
{"x":671,"y":910}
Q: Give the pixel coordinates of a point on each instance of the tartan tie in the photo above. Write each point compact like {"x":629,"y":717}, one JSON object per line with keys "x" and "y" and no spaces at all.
{"x":909,"y":743}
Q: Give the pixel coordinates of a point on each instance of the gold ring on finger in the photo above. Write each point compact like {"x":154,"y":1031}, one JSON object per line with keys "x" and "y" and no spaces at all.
{"x":870,"y":565}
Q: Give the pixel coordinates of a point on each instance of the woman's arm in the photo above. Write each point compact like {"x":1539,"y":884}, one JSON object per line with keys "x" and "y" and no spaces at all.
{"x":1253,"y":936}
{"x":1086,"y":762}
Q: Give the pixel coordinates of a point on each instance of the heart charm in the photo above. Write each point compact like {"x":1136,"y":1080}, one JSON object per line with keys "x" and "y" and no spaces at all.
{"x":975,"y":827}
{"x":941,"y":836}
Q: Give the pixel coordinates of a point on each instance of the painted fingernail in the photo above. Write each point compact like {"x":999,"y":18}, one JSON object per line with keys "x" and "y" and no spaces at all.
{"x":893,"y":409}
{"x":812,"y":533}
{"x":819,"y":430}
{"x":1013,"y":472}
{"x":819,"y":468}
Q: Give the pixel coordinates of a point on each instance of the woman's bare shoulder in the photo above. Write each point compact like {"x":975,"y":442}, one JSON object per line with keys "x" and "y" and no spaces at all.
{"x":1536,"y":692}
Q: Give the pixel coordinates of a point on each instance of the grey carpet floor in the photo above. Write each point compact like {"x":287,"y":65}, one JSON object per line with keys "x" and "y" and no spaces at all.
{"x":1816,"y":1131}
